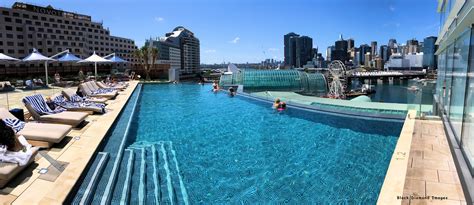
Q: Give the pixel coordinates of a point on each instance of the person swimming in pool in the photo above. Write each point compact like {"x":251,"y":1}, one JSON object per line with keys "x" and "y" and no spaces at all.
{"x":215,"y":86}
{"x":232,"y":92}
{"x":276,"y":103}
{"x":281,"y":106}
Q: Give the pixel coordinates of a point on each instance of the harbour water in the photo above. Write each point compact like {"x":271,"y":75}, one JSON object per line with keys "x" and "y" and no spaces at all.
{"x":401,"y":92}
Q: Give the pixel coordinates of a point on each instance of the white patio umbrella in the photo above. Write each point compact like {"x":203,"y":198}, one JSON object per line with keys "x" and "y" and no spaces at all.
{"x":5,"y":58}
{"x":94,"y":58}
{"x":38,"y":57}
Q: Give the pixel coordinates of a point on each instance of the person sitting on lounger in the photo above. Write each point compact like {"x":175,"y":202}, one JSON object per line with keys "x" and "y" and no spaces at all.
{"x":14,"y":149}
{"x":50,"y":103}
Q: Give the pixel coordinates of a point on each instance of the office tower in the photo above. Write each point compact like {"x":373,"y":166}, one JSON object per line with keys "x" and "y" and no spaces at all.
{"x":391,"y":43}
{"x":287,"y":50}
{"x":429,"y":49}
{"x":304,"y":49}
{"x":412,"y":46}
{"x":368,"y":59}
{"x":350,"y":44}
{"x":26,"y":26}
{"x":340,"y":52}
{"x":373,"y":50}
{"x":363,"y":49}
{"x":180,"y":48}
{"x":329,"y":52}
{"x":384,"y":53}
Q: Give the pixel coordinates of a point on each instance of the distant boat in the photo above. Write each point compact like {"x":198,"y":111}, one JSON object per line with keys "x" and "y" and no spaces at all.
{"x":413,"y":88}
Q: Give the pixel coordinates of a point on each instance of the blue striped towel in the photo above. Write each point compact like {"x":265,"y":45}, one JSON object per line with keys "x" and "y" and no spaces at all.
{"x":76,"y":98}
{"x":15,"y":124}
{"x":103,"y":91}
{"x":38,"y":103}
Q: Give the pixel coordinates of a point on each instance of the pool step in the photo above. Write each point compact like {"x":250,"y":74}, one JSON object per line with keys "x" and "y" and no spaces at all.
{"x":85,"y":193}
{"x":123,"y":185}
{"x":163,"y":181}
{"x":147,"y":174}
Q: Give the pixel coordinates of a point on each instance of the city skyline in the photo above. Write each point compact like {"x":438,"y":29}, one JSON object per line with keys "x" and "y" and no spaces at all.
{"x":228,"y":31}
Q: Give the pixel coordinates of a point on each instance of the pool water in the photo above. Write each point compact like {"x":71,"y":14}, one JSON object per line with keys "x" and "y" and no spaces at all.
{"x":236,"y":150}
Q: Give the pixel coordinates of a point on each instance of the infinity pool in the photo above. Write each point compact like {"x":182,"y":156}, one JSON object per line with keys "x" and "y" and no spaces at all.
{"x":237,"y":150}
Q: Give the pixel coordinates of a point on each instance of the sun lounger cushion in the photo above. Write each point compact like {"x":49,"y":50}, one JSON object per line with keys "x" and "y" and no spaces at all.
{"x":45,"y":132}
{"x":9,"y":170}
{"x":68,"y":118}
{"x":39,"y":131}
{"x":14,"y":123}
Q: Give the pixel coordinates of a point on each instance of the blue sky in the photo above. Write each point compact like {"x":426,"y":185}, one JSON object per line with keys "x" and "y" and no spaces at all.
{"x":251,"y":30}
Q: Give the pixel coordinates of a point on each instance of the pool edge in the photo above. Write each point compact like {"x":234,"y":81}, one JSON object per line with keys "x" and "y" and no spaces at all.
{"x":394,"y":182}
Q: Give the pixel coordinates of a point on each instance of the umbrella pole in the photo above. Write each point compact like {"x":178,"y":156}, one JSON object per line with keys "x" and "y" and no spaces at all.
{"x":46,"y":70}
{"x":8,"y":102}
{"x":95,"y":65}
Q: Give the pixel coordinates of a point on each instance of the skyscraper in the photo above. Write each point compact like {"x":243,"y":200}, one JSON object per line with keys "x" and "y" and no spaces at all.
{"x":384,"y":53}
{"x":412,"y":46}
{"x":304,"y":49}
{"x":340,"y":52}
{"x":429,"y":49}
{"x":350,"y":44}
{"x":329,"y":52}
{"x":287,"y":51}
{"x":373,"y":50}
{"x":363,"y":49}
{"x":392,"y":45}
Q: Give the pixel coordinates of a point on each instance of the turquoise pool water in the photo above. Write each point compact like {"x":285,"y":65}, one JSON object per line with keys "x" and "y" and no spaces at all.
{"x":236,"y":150}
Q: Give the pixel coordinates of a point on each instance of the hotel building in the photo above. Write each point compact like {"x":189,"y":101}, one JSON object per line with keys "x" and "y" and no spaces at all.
{"x":179,"y":48}
{"x":26,"y":26}
{"x":454,"y":98}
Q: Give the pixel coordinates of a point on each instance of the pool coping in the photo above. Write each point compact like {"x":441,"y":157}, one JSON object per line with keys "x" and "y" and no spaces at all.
{"x":394,"y":182}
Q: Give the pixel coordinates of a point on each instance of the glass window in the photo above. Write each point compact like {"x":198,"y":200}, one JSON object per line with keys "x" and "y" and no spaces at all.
{"x":458,"y":83}
{"x":448,"y":76}
{"x":467,"y":139}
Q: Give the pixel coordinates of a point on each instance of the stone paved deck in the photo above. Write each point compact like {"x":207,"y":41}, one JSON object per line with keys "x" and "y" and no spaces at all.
{"x":431,"y":170}
{"x":28,"y":188}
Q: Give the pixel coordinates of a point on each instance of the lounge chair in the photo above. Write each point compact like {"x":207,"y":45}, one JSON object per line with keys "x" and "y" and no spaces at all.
{"x":72,"y":96}
{"x":89,"y":90}
{"x":39,"y":134}
{"x":89,"y":107}
{"x":6,"y":86}
{"x":40,"y":111}
{"x":116,"y":87}
{"x":8,"y":171}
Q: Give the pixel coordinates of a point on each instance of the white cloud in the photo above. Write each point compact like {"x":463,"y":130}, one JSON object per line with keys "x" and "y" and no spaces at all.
{"x":273,"y":49}
{"x":236,"y":40}
{"x":210,"y":51}
{"x":391,"y":7}
{"x":159,"y":19}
